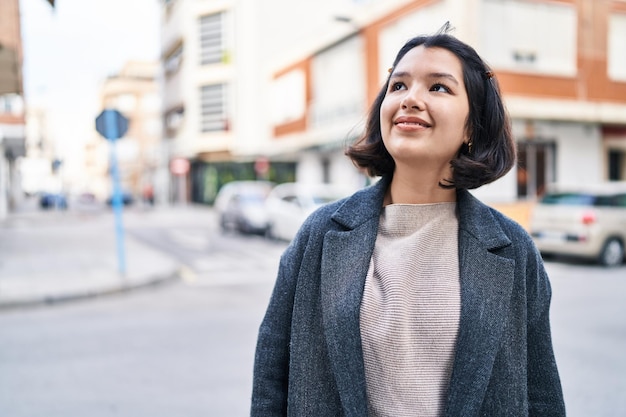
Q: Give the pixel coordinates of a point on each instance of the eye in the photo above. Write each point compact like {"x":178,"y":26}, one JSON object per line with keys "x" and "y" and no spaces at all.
{"x":396,"y":86}
{"x":440,"y":88}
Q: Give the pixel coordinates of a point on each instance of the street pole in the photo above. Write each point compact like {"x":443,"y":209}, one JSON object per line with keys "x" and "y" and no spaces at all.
{"x":112,"y":128}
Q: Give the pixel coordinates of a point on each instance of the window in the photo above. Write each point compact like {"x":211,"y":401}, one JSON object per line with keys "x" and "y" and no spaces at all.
{"x":616,"y":164}
{"x":289,"y":97}
{"x":11,"y":104}
{"x":174,"y":119}
{"x":540,"y":36}
{"x":616,"y":47}
{"x":211,"y":39}
{"x":535,"y":167}
{"x":173,"y":60}
{"x":213,"y":108}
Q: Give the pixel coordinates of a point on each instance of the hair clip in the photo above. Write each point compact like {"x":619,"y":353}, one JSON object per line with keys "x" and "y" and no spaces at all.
{"x":489,"y":75}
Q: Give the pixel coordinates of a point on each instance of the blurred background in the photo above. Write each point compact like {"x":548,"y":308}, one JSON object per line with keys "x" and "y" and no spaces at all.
{"x":235,"y":92}
{"x":217,"y":91}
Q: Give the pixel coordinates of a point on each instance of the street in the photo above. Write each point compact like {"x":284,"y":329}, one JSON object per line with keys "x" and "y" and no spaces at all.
{"x":186,"y":348}
{"x":589,"y":331}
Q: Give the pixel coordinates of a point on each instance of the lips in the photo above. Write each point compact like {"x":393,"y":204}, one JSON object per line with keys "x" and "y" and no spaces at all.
{"x":411,"y":122}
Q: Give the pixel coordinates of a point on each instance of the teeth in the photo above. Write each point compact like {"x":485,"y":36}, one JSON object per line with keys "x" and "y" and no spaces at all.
{"x":412,"y":123}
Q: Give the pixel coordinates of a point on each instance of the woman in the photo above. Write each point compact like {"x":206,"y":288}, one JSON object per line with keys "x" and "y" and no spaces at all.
{"x":411,"y":297}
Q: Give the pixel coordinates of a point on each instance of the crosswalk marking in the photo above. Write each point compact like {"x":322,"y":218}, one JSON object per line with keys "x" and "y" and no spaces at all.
{"x":253,"y":261}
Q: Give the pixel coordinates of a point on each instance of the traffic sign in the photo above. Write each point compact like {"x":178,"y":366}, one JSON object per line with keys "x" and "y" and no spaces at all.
{"x":111,"y":124}
{"x":179,"y":166}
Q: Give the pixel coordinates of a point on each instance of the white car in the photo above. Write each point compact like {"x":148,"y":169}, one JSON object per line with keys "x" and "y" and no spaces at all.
{"x":586,"y":221}
{"x":289,"y":204}
{"x":240,"y":206}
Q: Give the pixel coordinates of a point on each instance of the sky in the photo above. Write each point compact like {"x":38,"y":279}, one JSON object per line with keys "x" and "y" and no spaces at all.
{"x":71,"y":49}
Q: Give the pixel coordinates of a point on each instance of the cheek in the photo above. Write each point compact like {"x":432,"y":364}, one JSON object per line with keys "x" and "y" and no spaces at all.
{"x":458,"y":119}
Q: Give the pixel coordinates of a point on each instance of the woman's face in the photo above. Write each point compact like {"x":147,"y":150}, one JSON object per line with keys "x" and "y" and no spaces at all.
{"x":423,"y":115}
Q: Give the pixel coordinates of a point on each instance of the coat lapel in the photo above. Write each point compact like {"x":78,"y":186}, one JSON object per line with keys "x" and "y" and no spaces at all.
{"x":486,"y":286}
{"x":345,"y":261}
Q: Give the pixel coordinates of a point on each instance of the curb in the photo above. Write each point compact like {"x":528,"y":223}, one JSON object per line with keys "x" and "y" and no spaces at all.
{"x":49,"y":300}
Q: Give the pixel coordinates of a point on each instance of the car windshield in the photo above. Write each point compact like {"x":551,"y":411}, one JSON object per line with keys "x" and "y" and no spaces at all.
{"x":578,"y":199}
{"x":569,"y":199}
{"x":251,"y":199}
{"x":322,"y":199}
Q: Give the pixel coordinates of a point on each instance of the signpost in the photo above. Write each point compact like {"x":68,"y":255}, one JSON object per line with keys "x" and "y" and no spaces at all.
{"x":112,"y":125}
{"x":179,"y":167}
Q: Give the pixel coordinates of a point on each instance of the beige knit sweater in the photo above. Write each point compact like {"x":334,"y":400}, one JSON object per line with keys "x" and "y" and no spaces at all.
{"x":410,"y":310}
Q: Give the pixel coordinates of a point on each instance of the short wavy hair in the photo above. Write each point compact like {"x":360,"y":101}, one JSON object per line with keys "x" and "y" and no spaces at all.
{"x":491,"y":153}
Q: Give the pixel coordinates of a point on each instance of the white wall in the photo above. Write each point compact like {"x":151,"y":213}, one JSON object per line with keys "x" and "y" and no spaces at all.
{"x":545,"y":32}
{"x":425,"y":21}
{"x":338,"y":78}
{"x":341,"y":170}
{"x":309,"y":168}
{"x":579,"y":152}
{"x":503,"y":190}
{"x":344,"y":173}
{"x":579,"y":156}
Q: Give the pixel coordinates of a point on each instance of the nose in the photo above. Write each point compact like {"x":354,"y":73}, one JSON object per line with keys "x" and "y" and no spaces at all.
{"x":413,"y":99}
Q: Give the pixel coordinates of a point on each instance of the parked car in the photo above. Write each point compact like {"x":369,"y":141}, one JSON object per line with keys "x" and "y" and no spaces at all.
{"x":127,"y":199}
{"x":240,"y":206}
{"x":582,"y":221}
{"x":52,"y":201}
{"x":289,"y":204}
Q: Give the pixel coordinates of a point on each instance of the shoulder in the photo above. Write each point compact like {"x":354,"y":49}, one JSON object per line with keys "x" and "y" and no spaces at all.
{"x":512,"y":227}
{"x":488,"y":223}
{"x":351,"y":211}
{"x":321,"y":220}
{"x":344,"y":214}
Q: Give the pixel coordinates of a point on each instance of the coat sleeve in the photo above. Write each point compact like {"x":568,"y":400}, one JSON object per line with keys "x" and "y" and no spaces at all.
{"x":271,"y":363}
{"x":545,"y":394}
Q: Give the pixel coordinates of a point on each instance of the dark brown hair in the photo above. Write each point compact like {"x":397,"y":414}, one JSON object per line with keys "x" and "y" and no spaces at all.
{"x":492,"y":153}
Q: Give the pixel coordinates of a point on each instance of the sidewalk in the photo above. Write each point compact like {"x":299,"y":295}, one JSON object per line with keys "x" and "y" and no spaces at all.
{"x":51,"y":257}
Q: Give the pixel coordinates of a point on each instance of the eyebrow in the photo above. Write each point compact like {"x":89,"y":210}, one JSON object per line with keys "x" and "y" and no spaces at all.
{"x":402,"y":74}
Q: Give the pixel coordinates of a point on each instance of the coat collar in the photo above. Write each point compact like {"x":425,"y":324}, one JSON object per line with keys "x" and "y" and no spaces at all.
{"x":486,"y":285}
{"x":475,"y":218}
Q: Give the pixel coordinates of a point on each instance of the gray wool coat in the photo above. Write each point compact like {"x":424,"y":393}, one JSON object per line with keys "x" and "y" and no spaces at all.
{"x":309,"y":359}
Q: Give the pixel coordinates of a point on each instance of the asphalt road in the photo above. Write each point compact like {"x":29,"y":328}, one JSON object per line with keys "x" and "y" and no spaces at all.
{"x":589,"y":331}
{"x":186,"y":349}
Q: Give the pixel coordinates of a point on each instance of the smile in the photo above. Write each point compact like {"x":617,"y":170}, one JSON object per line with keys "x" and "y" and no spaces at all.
{"x":411,"y":122}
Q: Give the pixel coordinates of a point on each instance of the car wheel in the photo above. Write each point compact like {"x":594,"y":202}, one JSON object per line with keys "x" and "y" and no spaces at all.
{"x":612,"y":253}
{"x":223,"y":225}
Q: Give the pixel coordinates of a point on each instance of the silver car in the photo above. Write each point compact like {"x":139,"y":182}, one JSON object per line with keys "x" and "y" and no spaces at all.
{"x":289,"y":204}
{"x":582,"y":221}
{"x":240,"y":206}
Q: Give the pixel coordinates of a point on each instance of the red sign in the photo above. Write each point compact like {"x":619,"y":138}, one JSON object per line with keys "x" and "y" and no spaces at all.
{"x":179,"y":166}
{"x":262,"y":165}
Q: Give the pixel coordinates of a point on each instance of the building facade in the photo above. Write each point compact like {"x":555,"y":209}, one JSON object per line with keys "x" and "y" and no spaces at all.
{"x":134,"y":92}
{"x":12,"y":114}
{"x":218,"y":58}
{"x":277,"y":91}
{"x":560,"y":65}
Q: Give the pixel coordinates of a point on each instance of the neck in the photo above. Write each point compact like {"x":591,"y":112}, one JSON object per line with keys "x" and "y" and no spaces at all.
{"x":418,"y":190}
